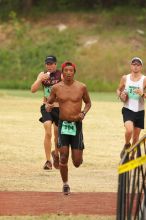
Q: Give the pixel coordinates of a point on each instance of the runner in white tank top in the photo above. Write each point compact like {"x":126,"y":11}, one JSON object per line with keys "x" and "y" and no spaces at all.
{"x":131,"y":92}
{"x":134,"y":102}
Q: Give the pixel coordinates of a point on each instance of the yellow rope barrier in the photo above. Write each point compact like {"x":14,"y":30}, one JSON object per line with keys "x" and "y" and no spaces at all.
{"x":132,"y":164}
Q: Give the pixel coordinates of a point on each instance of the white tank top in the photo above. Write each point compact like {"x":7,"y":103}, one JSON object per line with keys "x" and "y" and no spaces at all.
{"x":134,"y":102}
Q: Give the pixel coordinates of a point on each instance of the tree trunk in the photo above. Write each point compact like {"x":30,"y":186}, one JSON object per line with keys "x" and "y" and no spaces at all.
{"x":27,"y":4}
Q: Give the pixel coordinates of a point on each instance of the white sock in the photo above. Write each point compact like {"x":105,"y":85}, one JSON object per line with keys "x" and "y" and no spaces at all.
{"x":65,"y":183}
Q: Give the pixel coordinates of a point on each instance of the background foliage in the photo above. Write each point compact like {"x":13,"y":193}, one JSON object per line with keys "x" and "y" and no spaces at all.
{"x":27,"y":5}
{"x":100,"y":38}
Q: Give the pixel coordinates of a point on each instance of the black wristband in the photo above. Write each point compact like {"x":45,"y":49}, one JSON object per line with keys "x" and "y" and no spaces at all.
{"x":84,"y":113}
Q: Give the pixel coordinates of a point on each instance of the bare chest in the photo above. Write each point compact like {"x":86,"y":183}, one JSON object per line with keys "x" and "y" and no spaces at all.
{"x":65,"y":94}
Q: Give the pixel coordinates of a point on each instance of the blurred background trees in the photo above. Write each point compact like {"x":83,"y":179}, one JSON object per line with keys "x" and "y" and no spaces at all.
{"x":100,"y":36}
{"x":25,"y":6}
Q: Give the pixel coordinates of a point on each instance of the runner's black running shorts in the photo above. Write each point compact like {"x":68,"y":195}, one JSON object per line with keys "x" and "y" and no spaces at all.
{"x":49,"y":116}
{"x":76,"y":142}
{"x":136,"y":117}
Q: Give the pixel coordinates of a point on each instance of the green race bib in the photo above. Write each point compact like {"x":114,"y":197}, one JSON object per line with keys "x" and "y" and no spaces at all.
{"x":131,"y":93}
{"x":68,"y":128}
{"x":47,"y":91}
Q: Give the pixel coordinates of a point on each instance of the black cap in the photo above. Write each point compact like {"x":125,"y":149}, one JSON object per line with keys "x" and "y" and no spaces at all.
{"x":50,"y":59}
{"x":136,"y":59}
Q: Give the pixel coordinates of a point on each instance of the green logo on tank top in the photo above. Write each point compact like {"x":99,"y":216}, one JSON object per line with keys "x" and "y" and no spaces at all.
{"x":132,"y":94}
{"x":68,"y":128}
{"x":47,"y":91}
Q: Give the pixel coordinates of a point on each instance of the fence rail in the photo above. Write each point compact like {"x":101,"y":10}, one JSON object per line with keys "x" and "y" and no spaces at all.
{"x":131,"y":197}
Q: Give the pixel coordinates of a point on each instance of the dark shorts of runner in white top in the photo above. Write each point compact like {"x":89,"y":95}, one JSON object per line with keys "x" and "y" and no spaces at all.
{"x":136,"y":117}
{"x":76,"y":142}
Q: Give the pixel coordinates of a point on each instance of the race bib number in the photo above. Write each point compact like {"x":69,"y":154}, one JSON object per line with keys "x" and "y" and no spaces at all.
{"x":131,"y":93}
{"x":47,"y":91}
{"x":68,"y":128}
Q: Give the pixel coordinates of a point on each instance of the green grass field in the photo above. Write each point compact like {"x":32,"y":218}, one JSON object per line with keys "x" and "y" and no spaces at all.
{"x":22,"y":154}
{"x":100,"y":96}
{"x":22,"y":146}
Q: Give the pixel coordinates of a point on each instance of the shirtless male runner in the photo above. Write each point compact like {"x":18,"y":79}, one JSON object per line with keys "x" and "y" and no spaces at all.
{"x":70,"y":94}
{"x":131,"y":92}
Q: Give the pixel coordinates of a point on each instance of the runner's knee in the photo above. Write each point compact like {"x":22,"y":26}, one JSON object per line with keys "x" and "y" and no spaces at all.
{"x":63,"y":159}
{"x":77,"y":163}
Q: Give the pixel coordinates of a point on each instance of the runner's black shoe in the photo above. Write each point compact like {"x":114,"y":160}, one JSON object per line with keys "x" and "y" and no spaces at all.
{"x":48,"y":165}
{"x":126,"y":147}
{"x":66,"y":189}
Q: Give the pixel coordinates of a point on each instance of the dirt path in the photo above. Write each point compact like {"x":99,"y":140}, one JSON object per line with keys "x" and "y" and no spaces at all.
{"x":38,"y":203}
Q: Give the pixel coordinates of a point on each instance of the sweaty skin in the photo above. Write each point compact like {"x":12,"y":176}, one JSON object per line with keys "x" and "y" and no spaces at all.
{"x":70,"y":94}
{"x":70,"y":99}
